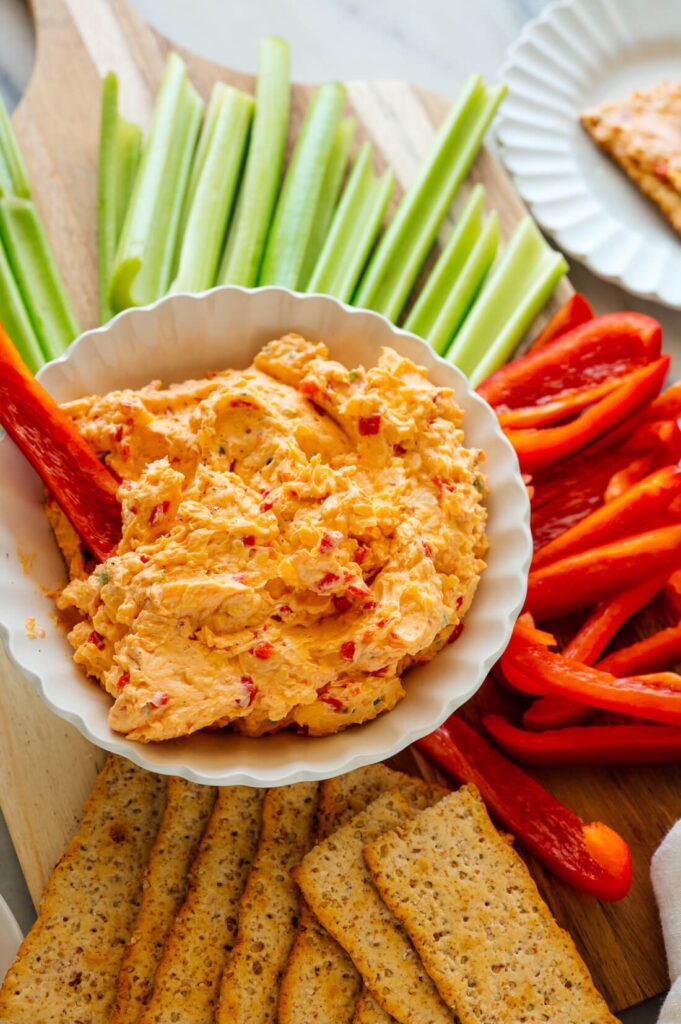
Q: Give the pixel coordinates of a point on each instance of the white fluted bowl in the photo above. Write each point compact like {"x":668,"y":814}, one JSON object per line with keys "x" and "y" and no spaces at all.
{"x":185,"y":336}
{"x":577,"y":54}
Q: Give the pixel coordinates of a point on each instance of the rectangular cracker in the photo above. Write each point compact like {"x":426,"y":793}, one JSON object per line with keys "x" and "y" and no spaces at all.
{"x":320,"y":983}
{"x":66,"y":968}
{"x":368,"y":1011}
{"x":336,"y":884}
{"x":268,"y":911}
{"x":188,"y":807}
{"x":484,"y":933}
{"x":188,"y":975}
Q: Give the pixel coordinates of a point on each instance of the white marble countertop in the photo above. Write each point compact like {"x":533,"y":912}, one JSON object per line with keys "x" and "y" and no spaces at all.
{"x":435,"y":43}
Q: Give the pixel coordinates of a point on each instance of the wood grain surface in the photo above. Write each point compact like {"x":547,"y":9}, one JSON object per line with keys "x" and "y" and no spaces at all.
{"x":46,"y":768}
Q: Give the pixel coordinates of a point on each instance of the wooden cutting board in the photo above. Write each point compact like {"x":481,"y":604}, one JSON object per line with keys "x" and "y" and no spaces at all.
{"x":46,"y":768}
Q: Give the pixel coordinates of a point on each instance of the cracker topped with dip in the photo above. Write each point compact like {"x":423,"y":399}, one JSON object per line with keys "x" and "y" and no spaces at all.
{"x":295,"y":535}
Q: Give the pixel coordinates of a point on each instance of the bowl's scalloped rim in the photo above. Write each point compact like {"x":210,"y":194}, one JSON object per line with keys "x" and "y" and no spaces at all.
{"x":357,"y":755}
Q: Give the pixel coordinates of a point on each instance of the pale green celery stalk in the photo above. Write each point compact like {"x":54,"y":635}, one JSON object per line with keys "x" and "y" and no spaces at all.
{"x":147,"y":249}
{"x":15,"y":319}
{"x":119,"y":152}
{"x":512,"y":296}
{"x":467,"y":286}
{"x":354,"y":228}
{"x":214,"y":193}
{"x":404,"y":247}
{"x":13,"y":176}
{"x":442,"y":277}
{"x":262,"y":175}
{"x":37,"y":276}
{"x":294,"y":216}
{"x":328,"y":197}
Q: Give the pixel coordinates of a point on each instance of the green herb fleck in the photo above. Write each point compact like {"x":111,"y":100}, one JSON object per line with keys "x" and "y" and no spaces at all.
{"x":377,"y":701}
{"x":479,"y":484}
{"x":353,"y":375}
{"x":104,"y":576}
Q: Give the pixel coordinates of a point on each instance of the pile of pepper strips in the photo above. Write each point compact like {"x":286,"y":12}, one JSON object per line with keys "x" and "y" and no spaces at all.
{"x":599,"y":447}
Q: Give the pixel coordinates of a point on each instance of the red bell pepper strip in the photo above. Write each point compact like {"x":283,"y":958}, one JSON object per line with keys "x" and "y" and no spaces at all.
{"x":574,"y":312}
{"x":590,"y":744}
{"x":534,"y":669}
{"x":554,"y":411}
{"x":654,"y":654}
{"x":655,"y":501}
{"x":586,"y":646}
{"x":592,"y":858}
{"x":538,"y":448}
{"x":671,"y":594}
{"x":68,"y":467}
{"x":580,"y":580}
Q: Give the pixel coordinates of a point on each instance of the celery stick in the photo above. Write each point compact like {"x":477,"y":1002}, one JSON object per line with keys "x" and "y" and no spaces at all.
{"x":404,"y":247}
{"x":37,"y":276}
{"x":466,"y":288}
{"x":214,"y":192}
{"x":13,"y":176}
{"x":328,"y":197}
{"x":294,"y":216}
{"x":354,"y":228}
{"x":147,"y":248}
{"x":434,"y":294}
{"x":512,"y":296}
{"x":262,"y":176}
{"x":539,"y":292}
{"x":15,"y":319}
{"x":119,"y":150}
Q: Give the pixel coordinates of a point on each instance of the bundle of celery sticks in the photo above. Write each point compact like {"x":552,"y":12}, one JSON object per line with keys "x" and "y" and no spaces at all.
{"x":206,"y":200}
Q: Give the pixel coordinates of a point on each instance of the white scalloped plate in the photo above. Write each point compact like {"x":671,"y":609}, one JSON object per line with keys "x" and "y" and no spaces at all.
{"x":184,"y":336}
{"x":10,"y":938}
{"x":576,"y":54}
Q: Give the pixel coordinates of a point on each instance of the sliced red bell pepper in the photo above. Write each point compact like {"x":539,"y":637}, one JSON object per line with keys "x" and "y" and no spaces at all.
{"x":68,"y":467}
{"x":653,"y":502}
{"x":653,"y":654}
{"x":671,"y":594}
{"x":587,"y":577}
{"x":590,"y":744}
{"x":534,"y":669}
{"x":574,"y":312}
{"x":538,"y":448}
{"x":593,"y":858}
{"x":550,"y":412}
{"x":555,"y":713}
{"x":589,"y":356}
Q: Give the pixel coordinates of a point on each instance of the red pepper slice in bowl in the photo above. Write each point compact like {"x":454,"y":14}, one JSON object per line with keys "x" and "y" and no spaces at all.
{"x":590,"y":857}
{"x":68,"y":467}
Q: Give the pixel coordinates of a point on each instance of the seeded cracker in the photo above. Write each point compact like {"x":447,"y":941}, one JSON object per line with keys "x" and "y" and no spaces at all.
{"x":268,"y":912}
{"x":369,"y":1012}
{"x":66,"y":968}
{"x":478,"y":922}
{"x":188,"y":807}
{"x":320,"y":984}
{"x":204,"y":931}
{"x":337,"y":886}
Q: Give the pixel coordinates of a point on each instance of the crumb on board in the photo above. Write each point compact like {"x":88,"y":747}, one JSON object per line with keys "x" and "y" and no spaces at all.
{"x":33,"y":630}
{"x":26,"y":560}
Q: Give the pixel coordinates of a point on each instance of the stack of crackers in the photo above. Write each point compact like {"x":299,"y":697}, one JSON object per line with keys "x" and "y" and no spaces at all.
{"x":371,"y":898}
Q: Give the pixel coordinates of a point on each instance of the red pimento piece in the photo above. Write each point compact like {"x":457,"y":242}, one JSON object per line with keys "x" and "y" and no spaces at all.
{"x":326,"y":698}
{"x":118,"y":434}
{"x":123,"y":680}
{"x":456,"y":633}
{"x":97,"y":639}
{"x":265,"y":506}
{"x":144,"y":559}
{"x":361,"y":553}
{"x":328,"y":580}
{"x":342,"y":604}
{"x":330,"y":541}
{"x":308,"y":387}
{"x":250,"y":691}
{"x":284,"y":609}
{"x":369,"y":425}
{"x":263,"y":650}
{"x":348,"y":650}
{"x":399,"y":449}
{"x":248,"y":541}
{"x":158,"y":700}
{"x":125,"y":450}
{"x":158,"y":511}
{"x":427,"y":549}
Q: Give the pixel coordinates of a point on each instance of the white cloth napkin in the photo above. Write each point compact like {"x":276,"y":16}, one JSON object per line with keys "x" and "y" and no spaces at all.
{"x":665,"y":872}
